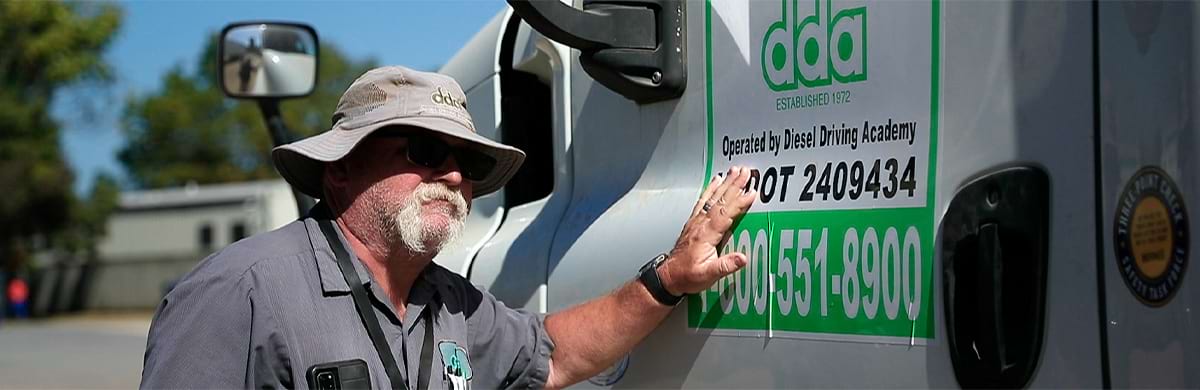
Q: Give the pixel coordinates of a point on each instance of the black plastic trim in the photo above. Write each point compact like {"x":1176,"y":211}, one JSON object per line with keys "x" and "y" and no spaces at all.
{"x":589,"y":29}
{"x":995,"y":245}
{"x":1098,"y":177}
{"x":637,"y":48}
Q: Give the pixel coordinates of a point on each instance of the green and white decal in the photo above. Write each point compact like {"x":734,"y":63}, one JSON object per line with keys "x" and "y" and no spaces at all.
{"x":834,"y":104}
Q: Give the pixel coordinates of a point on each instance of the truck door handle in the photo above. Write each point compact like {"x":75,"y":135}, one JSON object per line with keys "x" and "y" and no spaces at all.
{"x":994,"y":256}
{"x":634,"y":47}
{"x":989,"y":279}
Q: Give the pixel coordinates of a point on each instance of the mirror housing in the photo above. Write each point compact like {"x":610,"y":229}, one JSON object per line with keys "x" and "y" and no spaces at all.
{"x":634,"y":47}
{"x":274,"y":60}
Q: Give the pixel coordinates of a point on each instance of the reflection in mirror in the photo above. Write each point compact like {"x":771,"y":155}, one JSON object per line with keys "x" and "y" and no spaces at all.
{"x":268,"y":60}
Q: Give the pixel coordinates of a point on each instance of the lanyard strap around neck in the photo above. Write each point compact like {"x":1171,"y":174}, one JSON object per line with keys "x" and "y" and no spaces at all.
{"x":365,"y":312}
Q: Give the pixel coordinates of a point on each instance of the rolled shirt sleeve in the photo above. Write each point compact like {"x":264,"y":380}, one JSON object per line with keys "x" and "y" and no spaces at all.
{"x":206,"y":334}
{"x":509,"y":348}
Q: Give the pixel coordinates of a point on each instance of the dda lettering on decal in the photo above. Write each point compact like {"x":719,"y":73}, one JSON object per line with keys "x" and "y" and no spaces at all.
{"x":815,"y":46}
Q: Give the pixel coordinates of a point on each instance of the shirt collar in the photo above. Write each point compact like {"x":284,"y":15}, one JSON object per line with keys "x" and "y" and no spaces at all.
{"x":333,"y":283}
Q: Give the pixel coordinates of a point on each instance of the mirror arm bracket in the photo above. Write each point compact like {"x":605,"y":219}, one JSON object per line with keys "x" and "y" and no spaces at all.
{"x":589,"y":29}
{"x":281,"y":135}
{"x":270,"y":111}
{"x":634,"y":47}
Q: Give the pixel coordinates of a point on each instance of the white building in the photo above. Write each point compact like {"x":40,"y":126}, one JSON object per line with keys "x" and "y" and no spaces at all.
{"x":157,"y":236}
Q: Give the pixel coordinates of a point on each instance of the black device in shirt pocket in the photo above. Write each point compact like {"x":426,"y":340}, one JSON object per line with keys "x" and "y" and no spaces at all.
{"x":346,"y":374}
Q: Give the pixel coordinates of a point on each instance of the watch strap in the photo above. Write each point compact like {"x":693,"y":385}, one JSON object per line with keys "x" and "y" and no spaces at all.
{"x":649,"y":277}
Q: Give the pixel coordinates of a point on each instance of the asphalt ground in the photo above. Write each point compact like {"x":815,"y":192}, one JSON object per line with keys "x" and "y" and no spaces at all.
{"x":93,"y":351}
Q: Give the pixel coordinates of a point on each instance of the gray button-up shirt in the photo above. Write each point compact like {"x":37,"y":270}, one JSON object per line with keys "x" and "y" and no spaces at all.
{"x":262,"y":311}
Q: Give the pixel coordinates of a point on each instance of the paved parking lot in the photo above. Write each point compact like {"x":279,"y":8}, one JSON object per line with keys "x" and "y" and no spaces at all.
{"x":77,"y":351}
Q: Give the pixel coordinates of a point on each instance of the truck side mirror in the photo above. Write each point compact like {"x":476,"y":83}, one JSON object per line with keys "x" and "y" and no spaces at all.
{"x":634,"y":47}
{"x":267,"y":60}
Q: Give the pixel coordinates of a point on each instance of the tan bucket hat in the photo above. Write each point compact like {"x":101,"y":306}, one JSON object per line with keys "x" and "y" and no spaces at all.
{"x":389,"y":96}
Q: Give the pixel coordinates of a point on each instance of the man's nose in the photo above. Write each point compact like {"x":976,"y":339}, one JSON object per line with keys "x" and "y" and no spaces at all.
{"x":449,"y":172}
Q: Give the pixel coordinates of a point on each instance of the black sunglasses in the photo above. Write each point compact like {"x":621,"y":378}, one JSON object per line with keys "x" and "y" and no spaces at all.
{"x":431,"y":152}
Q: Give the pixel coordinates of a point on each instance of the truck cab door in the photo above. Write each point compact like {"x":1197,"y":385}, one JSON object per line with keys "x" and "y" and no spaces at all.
{"x":865,"y":121}
{"x":534,"y":102}
{"x":474,"y":67}
{"x":1149,"y":139}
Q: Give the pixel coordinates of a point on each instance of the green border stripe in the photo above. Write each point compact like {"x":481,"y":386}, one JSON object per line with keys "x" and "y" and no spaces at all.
{"x":708,"y":89}
{"x":935,"y":101}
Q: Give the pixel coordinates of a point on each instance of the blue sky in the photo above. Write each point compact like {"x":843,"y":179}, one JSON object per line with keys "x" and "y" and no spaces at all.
{"x":158,"y":35}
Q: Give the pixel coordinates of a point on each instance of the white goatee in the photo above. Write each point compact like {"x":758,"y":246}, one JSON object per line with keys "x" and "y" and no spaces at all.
{"x":408,"y":226}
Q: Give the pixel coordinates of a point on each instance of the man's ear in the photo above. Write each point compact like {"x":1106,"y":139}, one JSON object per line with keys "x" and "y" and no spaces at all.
{"x":335,"y":180}
{"x":337,"y":175}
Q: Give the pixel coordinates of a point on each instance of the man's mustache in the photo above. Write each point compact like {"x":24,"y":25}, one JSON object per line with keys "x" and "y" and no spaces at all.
{"x":430,"y":192}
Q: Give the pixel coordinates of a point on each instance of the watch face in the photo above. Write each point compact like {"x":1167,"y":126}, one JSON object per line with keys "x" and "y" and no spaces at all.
{"x":650,"y":264}
{"x":653,"y":263}
{"x":662,"y":257}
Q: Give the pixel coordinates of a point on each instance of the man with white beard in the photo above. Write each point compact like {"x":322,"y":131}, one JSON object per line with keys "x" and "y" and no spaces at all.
{"x":348,"y":296}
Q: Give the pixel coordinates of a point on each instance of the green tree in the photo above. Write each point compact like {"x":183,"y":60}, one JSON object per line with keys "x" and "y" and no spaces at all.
{"x":47,"y":46}
{"x":190,"y":132}
{"x":89,"y":217}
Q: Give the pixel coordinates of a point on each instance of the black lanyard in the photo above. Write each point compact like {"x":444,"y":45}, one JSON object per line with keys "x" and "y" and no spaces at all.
{"x":367,"y":315}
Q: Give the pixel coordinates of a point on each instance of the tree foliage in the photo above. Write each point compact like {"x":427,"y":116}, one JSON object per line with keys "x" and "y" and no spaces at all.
{"x":46,"y":47}
{"x":190,"y":132}
{"x":89,"y":217}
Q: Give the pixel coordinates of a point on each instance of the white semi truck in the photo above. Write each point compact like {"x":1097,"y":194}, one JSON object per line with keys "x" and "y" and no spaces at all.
{"x":952,"y":193}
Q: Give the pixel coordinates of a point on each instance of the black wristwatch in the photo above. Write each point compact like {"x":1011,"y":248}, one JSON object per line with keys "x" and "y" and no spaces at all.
{"x":648,"y":275}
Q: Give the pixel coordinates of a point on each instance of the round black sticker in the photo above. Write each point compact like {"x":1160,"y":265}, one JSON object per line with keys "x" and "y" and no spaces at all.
{"x":1151,"y":236}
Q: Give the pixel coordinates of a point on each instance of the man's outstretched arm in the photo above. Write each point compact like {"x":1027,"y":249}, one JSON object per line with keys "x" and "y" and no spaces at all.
{"x":591,"y":336}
